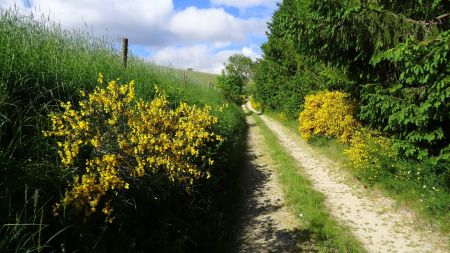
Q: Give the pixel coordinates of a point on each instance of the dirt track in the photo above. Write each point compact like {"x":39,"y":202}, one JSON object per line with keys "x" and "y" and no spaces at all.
{"x":265,"y":224}
{"x":372,"y":218}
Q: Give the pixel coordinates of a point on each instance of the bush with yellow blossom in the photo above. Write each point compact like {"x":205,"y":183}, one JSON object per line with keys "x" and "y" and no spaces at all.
{"x":128,"y":139}
{"x":282,"y":117}
{"x":366,"y":151}
{"x":374,"y":157}
{"x":255,"y":104}
{"x":328,"y":114}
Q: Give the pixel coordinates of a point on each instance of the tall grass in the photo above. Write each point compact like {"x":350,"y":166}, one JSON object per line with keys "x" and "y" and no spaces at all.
{"x":41,"y":64}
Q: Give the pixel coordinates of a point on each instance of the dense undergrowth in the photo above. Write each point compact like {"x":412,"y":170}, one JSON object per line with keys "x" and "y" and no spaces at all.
{"x":391,"y":60}
{"x":43,"y":65}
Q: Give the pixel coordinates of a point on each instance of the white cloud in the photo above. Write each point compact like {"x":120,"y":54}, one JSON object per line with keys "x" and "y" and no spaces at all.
{"x":243,"y":3}
{"x":219,"y":45}
{"x":200,"y":57}
{"x":107,"y":12}
{"x":248,"y":51}
{"x":142,"y":21}
{"x":206,"y":24}
{"x":213,"y":25}
{"x":153,"y":23}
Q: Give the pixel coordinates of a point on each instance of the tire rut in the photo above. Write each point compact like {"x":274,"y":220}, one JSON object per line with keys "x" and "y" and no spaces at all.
{"x":265,"y":223}
{"x":372,"y":218}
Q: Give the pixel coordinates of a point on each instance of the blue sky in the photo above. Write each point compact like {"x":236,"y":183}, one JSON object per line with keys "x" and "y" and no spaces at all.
{"x":184,"y":34}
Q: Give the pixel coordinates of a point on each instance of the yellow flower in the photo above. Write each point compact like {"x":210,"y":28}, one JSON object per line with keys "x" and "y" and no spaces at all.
{"x":100,"y":78}
{"x":151,"y":137}
{"x":328,"y":114}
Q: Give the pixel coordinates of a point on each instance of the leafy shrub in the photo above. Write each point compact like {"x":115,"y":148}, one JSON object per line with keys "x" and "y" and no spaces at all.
{"x":232,"y":87}
{"x":415,"y":107}
{"x":128,"y":140}
{"x":255,"y":104}
{"x":328,"y":114}
{"x":364,"y":149}
{"x":282,"y":117}
{"x":235,"y":76}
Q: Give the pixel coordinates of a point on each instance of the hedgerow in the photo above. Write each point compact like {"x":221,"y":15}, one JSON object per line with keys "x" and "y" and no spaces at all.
{"x":394,"y":54}
{"x":284,"y":76}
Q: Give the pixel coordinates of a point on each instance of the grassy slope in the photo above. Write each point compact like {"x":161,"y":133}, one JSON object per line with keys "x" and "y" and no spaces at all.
{"x":201,"y":77}
{"x":308,"y":203}
{"x":196,"y":76}
{"x":431,"y":206}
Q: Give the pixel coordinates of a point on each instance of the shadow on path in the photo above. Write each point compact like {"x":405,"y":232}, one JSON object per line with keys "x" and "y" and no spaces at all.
{"x":262,"y":223}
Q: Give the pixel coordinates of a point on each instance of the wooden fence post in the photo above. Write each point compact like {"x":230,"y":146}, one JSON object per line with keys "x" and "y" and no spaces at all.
{"x":124,"y":52}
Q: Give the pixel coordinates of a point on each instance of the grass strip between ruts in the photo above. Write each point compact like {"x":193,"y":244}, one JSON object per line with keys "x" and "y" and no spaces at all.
{"x":305,"y":202}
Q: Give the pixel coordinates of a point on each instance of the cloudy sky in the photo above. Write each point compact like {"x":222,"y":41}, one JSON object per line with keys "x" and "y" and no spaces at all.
{"x":184,"y":34}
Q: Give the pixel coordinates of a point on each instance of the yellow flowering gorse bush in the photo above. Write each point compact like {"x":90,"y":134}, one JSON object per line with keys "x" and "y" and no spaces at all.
{"x":328,"y":114}
{"x":129,"y":139}
{"x":363,"y":149}
{"x":282,"y":117}
{"x":255,"y":104}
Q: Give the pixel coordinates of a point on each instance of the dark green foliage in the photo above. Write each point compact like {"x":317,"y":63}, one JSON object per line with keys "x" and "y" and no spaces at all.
{"x":395,"y":54}
{"x":414,"y":104}
{"x":351,"y":33}
{"x":235,"y":76}
{"x":284,"y":76}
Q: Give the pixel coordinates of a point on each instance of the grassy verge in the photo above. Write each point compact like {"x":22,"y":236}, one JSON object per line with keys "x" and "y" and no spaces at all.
{"x":414,"y":192}
{"x":306,"y":202}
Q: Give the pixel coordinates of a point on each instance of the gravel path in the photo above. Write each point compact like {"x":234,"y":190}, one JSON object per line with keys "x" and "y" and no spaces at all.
{"x":372,"y":218}
{"x":265,"y":224}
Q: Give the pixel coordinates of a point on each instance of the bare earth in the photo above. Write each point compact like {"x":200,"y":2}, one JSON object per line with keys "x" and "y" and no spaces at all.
{"x":265,"y":224}
{"x":373,"y":218}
